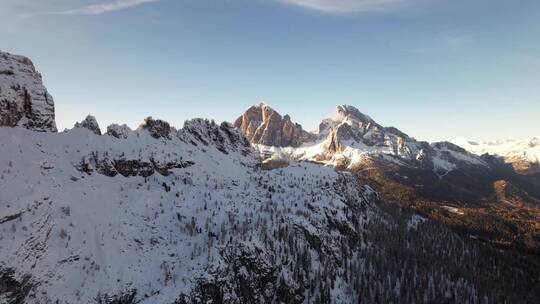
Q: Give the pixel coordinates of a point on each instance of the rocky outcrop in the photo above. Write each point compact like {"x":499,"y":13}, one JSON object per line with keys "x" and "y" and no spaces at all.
{"x":24,"y":101}
{"x":112,"y":166}
{"x":89,"y":123}
{"x":119,"y":131}
{"x":12,"y":289}
{"x":263,"y":125}
{"x":156,"y":127}
{"x":224,"y":136}
{"x":338,"y":134}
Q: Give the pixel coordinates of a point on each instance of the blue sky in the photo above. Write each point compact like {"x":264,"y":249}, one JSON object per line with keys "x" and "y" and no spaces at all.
{"x":435,"y":69}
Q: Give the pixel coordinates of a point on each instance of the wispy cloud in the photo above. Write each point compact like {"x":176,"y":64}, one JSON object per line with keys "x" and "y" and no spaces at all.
{"x":346,"y":6}
{"x":102,"y":8}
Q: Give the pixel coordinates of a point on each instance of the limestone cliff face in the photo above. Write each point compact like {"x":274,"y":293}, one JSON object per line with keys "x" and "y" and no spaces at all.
{"x":24,"y":101}
{"x":263,"y":125}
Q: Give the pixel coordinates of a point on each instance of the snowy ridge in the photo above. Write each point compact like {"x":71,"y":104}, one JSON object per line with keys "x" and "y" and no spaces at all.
{"x":528,"y":150}
{"x":82,"y":235}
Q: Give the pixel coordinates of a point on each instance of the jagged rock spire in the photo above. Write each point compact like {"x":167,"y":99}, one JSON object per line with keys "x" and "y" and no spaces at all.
{"x":89,"y":123}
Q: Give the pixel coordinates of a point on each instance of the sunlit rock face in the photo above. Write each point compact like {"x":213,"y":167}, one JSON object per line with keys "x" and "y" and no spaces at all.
{"x":263,"y":125}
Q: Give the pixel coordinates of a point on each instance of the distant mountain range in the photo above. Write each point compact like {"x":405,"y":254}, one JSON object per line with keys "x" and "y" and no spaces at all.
{"x":346,"y":140}
{"x":524,"y":155}
{"x":257,"y":211}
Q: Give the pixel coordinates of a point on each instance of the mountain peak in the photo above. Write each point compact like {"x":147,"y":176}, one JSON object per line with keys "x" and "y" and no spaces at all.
{"x":263,"y":125}
{"x":350,"y":113}
{"x":89,"y":123}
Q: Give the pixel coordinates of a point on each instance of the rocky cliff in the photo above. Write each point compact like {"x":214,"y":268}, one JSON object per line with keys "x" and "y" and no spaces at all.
{"x":24,"y":100}
{"x":263,"y":125}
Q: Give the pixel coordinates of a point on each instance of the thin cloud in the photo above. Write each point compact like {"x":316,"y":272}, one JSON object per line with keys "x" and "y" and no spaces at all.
{"x":102,"y":8}
{"x":346,"y":6}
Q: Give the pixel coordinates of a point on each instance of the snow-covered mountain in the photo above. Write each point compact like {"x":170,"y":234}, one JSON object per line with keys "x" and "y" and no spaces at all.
{"x":256,"y":212}
{"x":188,"y":216}
{"x":86,"y":216}
{"x":159,"y":215}
{"x":349,"y":138}
{"x":524,"y":155}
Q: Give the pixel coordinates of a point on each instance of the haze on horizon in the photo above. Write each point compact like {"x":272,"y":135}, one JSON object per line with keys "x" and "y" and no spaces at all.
{"x":434,"y":69}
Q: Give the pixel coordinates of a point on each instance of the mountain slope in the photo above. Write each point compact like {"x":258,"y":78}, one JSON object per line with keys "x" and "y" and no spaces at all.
{"x":70,"y":224}
{"x":192,"y":219}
